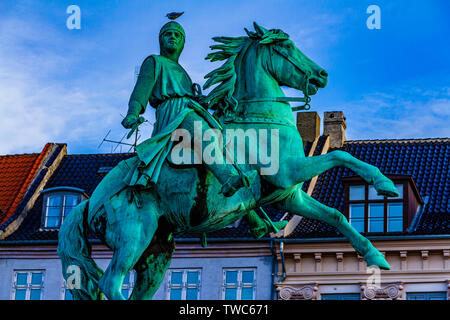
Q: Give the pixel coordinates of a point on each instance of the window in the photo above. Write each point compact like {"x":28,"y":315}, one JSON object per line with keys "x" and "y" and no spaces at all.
{"x":184,"y":284}
{"x":57,"y":205}
{"x":128,"y":284}
{"x":340,"y":296}
{"x":426,"y":296}
{"x":369,"y":212}
{"x":239,"y":284}
{"x":28,"y":285}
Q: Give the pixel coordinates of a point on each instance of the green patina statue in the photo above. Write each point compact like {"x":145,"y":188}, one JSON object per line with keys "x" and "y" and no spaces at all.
{"x":145,"y":201}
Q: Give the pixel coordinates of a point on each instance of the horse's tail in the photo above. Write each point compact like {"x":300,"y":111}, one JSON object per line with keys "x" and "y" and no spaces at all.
{"x":79,"y":269}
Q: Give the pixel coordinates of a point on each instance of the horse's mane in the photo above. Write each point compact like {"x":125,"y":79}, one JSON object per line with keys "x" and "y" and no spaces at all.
{"x":221,"y":97}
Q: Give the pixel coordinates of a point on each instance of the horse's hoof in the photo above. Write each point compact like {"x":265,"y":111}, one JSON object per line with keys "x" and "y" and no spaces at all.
{"x":279,"y":225}
{"x":385,"y":187}
{"x":234,"y":183}
{"x":376,"y":258}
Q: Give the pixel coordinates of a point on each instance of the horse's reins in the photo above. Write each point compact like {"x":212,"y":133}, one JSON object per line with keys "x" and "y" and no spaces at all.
{"x":306,"y":99}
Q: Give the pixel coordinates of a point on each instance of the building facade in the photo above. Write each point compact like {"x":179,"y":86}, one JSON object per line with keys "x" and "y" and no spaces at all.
{"x":306,"y":260}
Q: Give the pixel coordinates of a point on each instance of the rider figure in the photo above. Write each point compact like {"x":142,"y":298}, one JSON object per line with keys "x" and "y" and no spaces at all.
{"x":169,"y":89}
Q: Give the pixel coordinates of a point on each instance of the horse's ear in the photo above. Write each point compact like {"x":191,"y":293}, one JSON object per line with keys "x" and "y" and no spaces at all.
{"x":259,"y":30}
{"x":251,"y":35}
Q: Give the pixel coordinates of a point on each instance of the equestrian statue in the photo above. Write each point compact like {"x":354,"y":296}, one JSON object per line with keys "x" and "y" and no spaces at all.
{"x":147,"y":200}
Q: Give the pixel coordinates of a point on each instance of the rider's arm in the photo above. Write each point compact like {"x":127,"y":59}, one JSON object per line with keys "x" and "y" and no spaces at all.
{"x":143,"y":88}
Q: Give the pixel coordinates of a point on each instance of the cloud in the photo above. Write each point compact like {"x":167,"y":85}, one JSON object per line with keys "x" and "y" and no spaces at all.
{"x":40,"y":102}
{"x":403,"y":113}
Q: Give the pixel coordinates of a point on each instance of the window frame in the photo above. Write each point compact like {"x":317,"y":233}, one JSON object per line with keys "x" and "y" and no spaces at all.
{"x":130,"y":285}
{"x":239,"y":284}
{"x":29,"y":286}
{"x":410,"y":201}
{"x":184,"y":284}
{"x":427,"y":294}
{"x":366,"y":202}
{"x":62,"y":192}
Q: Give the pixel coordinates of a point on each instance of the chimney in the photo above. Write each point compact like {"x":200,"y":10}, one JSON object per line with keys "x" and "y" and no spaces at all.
{"x":334,"y":126}
{"x":308,"y":124}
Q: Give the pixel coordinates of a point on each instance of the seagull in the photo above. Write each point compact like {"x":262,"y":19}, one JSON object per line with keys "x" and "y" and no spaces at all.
{"x":174,"y":15}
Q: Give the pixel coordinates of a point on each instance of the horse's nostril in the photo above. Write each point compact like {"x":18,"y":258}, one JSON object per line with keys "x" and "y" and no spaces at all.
{"x":323,"y":73}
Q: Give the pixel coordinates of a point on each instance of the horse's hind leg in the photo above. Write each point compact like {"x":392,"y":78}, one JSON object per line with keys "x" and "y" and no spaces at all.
{"x":152,"y":266}
{"x":302,"y":204}
{"x":128,"y":236}
{"x":309,"y":167}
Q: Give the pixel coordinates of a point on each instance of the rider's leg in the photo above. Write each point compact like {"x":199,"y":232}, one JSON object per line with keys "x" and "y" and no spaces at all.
{"x":229,"y":175}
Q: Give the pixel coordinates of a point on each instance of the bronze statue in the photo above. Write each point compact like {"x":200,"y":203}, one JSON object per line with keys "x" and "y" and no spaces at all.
{"x":146,"y":200}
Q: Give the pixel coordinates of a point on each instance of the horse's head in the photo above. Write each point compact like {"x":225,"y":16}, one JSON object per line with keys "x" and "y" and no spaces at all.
{"x":256,"y":66}
{"x":287,"y":64}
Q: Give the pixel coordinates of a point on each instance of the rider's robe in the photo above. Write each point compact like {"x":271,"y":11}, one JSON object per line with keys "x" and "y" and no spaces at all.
{"x":167,"y":87}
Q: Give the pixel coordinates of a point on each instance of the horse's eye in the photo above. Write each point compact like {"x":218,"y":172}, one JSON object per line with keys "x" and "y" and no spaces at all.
{"x":289,"y":46}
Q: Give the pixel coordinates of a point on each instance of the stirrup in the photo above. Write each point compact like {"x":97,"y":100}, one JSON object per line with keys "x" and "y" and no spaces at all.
{"x":234,"y":183}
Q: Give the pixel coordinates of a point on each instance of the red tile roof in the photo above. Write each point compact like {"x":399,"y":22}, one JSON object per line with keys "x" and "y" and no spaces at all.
{"x":16,"y":174}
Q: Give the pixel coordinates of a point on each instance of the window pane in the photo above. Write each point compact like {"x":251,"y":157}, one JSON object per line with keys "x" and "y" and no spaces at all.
{"x":357,"y":193}
{"x":231,"y":277}
{"x":376,"y":217}
{"x":230,"y":294}
{"x":191,"y":294}
{"x":36,"y":278}
{"x":54,"y":201}
{"x":373,"y":194}
{"x":35,"y":294}
{"x":52,"y":222}
{"x":247,"y":294}
{"x":175,"y":294}
{"x":192,"y":277}
{"x":125,"y":293}
{"x":127,"y":279}
{"x":71,"y":200}
{"x":21,"y":279}
{"x":357,"y":217}
{"x":20,"y":294}
{"x":395,"y":217}
{"x":247,"y":276}
{"x":340,"y":296}
{"x":53,"y":211}
{"x":67,"y":295}
{"x":177,"y":277}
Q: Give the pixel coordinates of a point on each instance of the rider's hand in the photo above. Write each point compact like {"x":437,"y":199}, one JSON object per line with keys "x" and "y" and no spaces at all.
{"x":129,"y":121}
{"x":201,"y":99}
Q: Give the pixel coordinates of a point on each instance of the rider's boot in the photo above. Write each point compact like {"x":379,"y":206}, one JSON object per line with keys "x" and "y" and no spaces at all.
{"x":235,"y":182}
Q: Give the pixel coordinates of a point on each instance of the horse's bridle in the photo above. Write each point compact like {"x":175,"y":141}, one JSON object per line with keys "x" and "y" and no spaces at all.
{"x":306,"y":99}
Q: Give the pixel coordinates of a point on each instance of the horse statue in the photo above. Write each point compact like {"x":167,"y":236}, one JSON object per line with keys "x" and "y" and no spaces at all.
{"x":139,"y":227}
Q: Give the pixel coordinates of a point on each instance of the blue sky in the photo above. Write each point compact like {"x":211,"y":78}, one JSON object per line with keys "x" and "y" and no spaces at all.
{"x":71,"y":86}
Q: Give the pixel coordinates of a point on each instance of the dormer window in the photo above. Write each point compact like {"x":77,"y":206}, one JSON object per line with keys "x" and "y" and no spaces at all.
{"x":57,"y":204}
{"x":368,"y":212}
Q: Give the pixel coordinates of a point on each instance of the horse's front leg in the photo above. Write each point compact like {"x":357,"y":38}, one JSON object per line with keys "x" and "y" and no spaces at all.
{"x":306,"y":168}
{"x":300,"y":203}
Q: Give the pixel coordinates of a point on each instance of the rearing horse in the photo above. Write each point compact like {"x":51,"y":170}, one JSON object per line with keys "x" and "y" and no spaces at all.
{"x":139,"y":226}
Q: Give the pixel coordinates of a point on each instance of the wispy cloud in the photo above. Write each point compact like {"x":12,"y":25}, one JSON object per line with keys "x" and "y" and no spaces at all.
{"x":402,"y":113}
{"x":36,"y":106}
